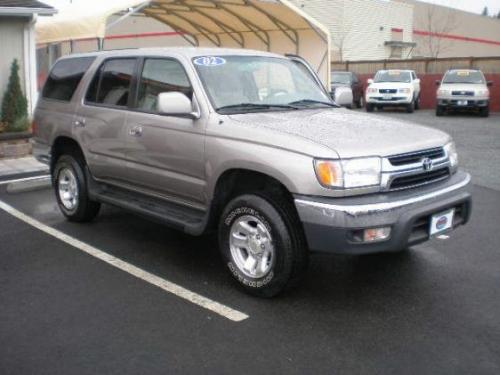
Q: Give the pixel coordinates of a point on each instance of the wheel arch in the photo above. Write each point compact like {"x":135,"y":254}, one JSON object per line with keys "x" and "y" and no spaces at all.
{"x":65,"y":145}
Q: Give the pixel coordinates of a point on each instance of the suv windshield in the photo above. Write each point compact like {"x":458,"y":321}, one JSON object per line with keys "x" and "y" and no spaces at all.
{"x":237,"y":84}
{"x":464,"y":76}
{"x":393,"y":76}
{"x":344,"y":78}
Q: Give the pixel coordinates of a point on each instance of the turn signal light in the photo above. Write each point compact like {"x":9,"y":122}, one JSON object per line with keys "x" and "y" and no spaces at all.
{"x":328,"y":172}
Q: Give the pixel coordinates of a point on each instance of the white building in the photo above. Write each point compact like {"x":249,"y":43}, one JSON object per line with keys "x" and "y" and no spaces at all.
{"x":17,"y":41}
{"x":365,"y":29}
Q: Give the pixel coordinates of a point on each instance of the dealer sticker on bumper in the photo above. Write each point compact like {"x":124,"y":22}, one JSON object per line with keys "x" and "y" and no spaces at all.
{"x":441,"y":222}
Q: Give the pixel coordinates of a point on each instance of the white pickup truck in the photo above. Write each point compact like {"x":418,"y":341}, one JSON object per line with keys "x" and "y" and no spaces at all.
{"x":393,"y":88}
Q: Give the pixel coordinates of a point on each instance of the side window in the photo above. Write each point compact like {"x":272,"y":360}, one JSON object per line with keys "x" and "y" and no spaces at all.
{"x":158,"y":76}
{"x":65,"y":77}
{"x":111,"y":83}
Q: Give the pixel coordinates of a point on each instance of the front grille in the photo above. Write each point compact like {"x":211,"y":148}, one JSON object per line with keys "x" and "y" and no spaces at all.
{"x":406,"y":182}
{"x":416,"y":157}
{"x":387,"y":91}
{"x":463,"y":93}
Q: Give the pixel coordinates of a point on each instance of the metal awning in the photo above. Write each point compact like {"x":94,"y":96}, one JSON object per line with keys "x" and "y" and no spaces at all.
{"x":269,"y":25}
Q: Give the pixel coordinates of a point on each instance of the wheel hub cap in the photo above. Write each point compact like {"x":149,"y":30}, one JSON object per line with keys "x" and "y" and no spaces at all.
{"x":251,"y":246}
{"x":68,"y":188}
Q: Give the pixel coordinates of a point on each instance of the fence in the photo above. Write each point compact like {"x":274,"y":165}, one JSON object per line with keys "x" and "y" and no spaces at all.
{"x":430,"y":70}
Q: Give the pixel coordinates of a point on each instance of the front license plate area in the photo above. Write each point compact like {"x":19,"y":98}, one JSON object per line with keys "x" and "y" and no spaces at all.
{"x":462,"y":102}
{"x":442,"y":222}
{"x":387,"y":97}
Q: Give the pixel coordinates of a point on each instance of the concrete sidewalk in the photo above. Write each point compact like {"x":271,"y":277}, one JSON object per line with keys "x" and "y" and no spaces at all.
{"x":13,"y":167}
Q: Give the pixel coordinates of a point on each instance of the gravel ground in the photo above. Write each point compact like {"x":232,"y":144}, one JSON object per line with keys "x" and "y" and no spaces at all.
{"x":477,"y":139}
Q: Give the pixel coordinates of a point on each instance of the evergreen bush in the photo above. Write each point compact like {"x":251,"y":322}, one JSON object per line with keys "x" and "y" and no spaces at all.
{"x":14,"y":104}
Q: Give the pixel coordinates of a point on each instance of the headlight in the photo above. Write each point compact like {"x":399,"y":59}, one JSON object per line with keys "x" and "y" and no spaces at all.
{"x":443,"y":92}
{"x":404,"y":91}
{"x":483,"y":93}
{"x":371,"y":90}
{"x":350,"y":173}
{"x":451,"y":151}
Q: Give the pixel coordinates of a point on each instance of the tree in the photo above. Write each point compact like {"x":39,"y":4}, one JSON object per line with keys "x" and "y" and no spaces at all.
{"x":485,"y":12}
{"x":14,"y":104}
{"x":437,"y":22}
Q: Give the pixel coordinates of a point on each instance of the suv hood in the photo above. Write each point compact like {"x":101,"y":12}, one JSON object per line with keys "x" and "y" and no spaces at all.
{"x":349,"y":134}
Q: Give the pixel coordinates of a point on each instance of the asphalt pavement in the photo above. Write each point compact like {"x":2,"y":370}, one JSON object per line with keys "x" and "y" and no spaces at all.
{"x":433,"y":309}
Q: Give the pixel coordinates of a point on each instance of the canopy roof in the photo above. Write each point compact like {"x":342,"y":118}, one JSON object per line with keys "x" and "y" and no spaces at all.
{"x":269,"y":25}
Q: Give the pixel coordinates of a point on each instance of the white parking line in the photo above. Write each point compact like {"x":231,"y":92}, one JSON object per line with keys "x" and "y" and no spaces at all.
{"x":42,"y":177}
{"x":166,"y":285}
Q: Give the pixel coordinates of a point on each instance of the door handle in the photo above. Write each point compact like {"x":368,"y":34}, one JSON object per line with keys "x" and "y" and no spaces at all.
{"x":79,"y":122}
{"x":135,"y":131}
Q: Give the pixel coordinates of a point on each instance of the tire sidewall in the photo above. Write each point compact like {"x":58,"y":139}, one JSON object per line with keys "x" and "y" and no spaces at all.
{"x":258,"y":207}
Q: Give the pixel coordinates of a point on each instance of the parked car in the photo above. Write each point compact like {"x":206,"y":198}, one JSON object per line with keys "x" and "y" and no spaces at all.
{"x":393,"y":88}
{"x":348,"y":79}
{"x":463,"y":89}
{"x":246,"y":144}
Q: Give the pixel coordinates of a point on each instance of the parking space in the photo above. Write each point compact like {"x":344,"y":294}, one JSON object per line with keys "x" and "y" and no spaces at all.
{"x":433,"y":309}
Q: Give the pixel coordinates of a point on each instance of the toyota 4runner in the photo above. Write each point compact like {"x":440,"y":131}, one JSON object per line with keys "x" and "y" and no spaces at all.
{"x":249,"y":145}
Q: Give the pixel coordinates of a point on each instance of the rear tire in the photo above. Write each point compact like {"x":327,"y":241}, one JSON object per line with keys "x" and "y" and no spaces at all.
{"x":71,"y":190}
{"x":417,"y":103}
{"x":262,"y":243}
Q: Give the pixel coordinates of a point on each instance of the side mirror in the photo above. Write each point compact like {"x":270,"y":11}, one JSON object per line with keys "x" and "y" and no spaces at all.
{"x":175,"y":104}
{"x":438,"y":82}
{"x":489,"y":83}
{"x":369,"y":81}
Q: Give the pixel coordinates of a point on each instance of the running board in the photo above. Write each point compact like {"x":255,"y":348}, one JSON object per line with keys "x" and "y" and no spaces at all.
{"x":188,"y":220}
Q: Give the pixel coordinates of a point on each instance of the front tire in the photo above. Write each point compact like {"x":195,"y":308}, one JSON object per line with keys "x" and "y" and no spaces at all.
{"x":262,"y":244}
{"x":484,"y":111}
{"x":369,"y":107}
{"x":410,"y":108}
{"x":71,"y":190}
{"x":439,"y":111}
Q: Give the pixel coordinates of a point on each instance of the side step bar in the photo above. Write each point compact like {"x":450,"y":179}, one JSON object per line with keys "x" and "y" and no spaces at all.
{"x":188,"y":220}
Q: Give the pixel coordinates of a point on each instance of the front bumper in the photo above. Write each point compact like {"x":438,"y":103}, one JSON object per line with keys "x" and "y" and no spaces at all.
{"x":395,"y":100}
{"x":453,"y":103}
{"x":329,"y":222}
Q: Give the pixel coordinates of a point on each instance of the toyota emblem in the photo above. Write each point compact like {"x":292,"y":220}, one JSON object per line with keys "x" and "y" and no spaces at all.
{"x":427,"y":164}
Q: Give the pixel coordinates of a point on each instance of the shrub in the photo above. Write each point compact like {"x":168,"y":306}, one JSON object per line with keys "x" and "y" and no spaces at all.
{"x":14,"y":105}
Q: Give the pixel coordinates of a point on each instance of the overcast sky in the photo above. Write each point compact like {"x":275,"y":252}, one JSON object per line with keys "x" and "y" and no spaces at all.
{"x":475,"y":6}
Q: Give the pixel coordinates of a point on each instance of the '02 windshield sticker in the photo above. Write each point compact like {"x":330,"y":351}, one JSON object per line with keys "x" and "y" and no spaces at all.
{"x":209,"y":61}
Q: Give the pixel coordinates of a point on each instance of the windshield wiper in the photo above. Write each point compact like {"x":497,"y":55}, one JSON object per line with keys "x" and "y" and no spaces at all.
{"x":307,"y":102}
{"x":256,"y":106}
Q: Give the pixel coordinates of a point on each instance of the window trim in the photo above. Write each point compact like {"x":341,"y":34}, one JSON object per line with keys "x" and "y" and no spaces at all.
{"x":77,"y":86}
{"x":133,"y":80}
{"x":140,"y":68}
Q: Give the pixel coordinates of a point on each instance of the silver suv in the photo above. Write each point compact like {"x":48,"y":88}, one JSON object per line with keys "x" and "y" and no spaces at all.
{"x":246,"y":144}
{"x":463,"y":89}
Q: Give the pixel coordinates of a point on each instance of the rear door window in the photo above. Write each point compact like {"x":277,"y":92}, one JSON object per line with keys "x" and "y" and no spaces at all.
{"x":111,"y":83}
{"x":65,"y":77}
